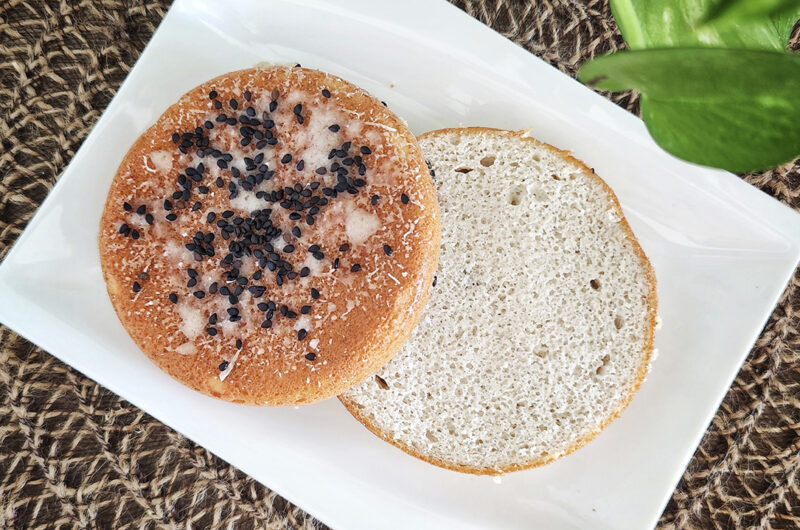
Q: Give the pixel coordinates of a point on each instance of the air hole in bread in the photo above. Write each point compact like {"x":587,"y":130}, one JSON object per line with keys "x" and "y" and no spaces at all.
{"x":430,"y":436}
{"x":463,"y":170}
{"x":602,"y":368}
{"x":594,"y":284}
{"x":382,"y":382}
{"x":487,"y":160}
{"x":618,"y":322}
{"x":516,"y":195}
{"x":455,"y":139}
{"x":555,"y":177}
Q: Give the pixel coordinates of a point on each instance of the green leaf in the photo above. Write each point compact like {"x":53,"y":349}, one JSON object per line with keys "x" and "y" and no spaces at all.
{"x":676,"y":23}
{"x":734,"y":109}
{"x":743,"y":9}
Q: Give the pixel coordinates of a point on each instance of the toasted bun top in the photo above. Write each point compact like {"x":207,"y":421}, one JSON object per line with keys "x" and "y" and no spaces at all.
{"x":272,"y":238}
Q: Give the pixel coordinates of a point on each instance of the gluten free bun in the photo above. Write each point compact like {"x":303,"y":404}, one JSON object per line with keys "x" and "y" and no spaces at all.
{"x":540,"y":326}
{"x":272,"y":238}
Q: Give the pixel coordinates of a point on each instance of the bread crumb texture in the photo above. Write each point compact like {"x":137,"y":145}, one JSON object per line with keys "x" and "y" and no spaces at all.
{"x":540,"y":326}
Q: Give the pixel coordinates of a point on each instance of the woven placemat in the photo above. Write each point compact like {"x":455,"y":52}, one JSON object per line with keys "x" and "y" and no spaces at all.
{"x":72,"y":454}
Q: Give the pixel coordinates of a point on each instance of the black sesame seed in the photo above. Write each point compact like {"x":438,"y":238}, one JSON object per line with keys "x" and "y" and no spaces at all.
{"x":387,"y":250}
{"x":208,"y":125}
{"x":404,"y":198}
{"x":296,"y":231}
{"x":311,"y":356}
{"x":135,"y":234}
{"x":309,"y":220}
{"x":126,"y":206}
{"x":212,"y":94}
{"x":234,"y":104}
{"x":301,"y":334}
{"x":298,"y":108}
{"x":171,"y":217}
{"x":149,"y":218}
{"x":238,"y":344}
{"x":301,"y":165}
{"x":136,"y":287}
{"x":326,"y":92}
{"x":365,"y":150}
{"x":291,"y":314}
{"x":212,"y":331}
{"x":176,"y":138}
{"x":221,"y":164}
{"x":434,"y":281}
{"x":245,"y":141}
{"x":141,"y":209}
{"x":286,"y":158}
{"x":273,"y":105}
{"x":223,"y":366}
{"x":199,"y":294}
{"x":306,"y":309}
{"x":196,"y":206}
{"x":333,"y":128}
{"x":288,"y":249}
{"x":374,"y":200}
{"x":294,"y":216}
{"x":314,"y":294}
{"x":219,"y":182}
{"x":124,"y":229}
{"x":211,"y":216}
{"x":355,"y":268}
{"x":266,"y":324}
{"x":257,"y":290}
{"x":173,"y":298}
{"x":336,"y":264}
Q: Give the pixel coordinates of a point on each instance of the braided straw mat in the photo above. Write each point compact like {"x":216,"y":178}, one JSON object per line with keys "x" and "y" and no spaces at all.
{"x":72,"y":454}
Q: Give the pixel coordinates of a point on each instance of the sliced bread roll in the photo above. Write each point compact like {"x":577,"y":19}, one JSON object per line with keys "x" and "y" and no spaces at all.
{"x":540,"y":326}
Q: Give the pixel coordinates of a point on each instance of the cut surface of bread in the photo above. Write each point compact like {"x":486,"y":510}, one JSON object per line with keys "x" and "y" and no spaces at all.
{"x":540,"y":326}
{"x":272,"y":238}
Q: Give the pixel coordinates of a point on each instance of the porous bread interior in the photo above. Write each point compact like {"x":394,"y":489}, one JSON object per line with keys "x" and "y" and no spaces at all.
{"x":540,"y":326}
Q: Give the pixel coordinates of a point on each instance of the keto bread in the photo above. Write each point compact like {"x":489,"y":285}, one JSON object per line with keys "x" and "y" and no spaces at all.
{"x":272,"y":239}
{"x":540,"y":327}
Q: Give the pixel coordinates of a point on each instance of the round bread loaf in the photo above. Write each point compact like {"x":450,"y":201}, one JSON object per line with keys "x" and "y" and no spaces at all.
{"x":272,"y":238}
{"x":540,"y":327}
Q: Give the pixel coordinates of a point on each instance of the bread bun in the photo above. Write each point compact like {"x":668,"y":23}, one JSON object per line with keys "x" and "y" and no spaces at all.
{"x":272,"y":238}
{"x":540,"y":326}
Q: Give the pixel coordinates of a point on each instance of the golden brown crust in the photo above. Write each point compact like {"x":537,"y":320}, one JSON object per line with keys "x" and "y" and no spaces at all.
{"x":652,"y":305}
{"x":361,"y":318}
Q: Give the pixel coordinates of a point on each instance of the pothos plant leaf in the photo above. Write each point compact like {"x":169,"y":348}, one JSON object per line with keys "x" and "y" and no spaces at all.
{"x":737,"y":10}
{"x":728,"y":108}
{"x":677,"y":23}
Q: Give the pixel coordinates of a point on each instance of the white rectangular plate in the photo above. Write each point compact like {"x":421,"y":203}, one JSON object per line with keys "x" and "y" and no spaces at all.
{"x":722,"y":250}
